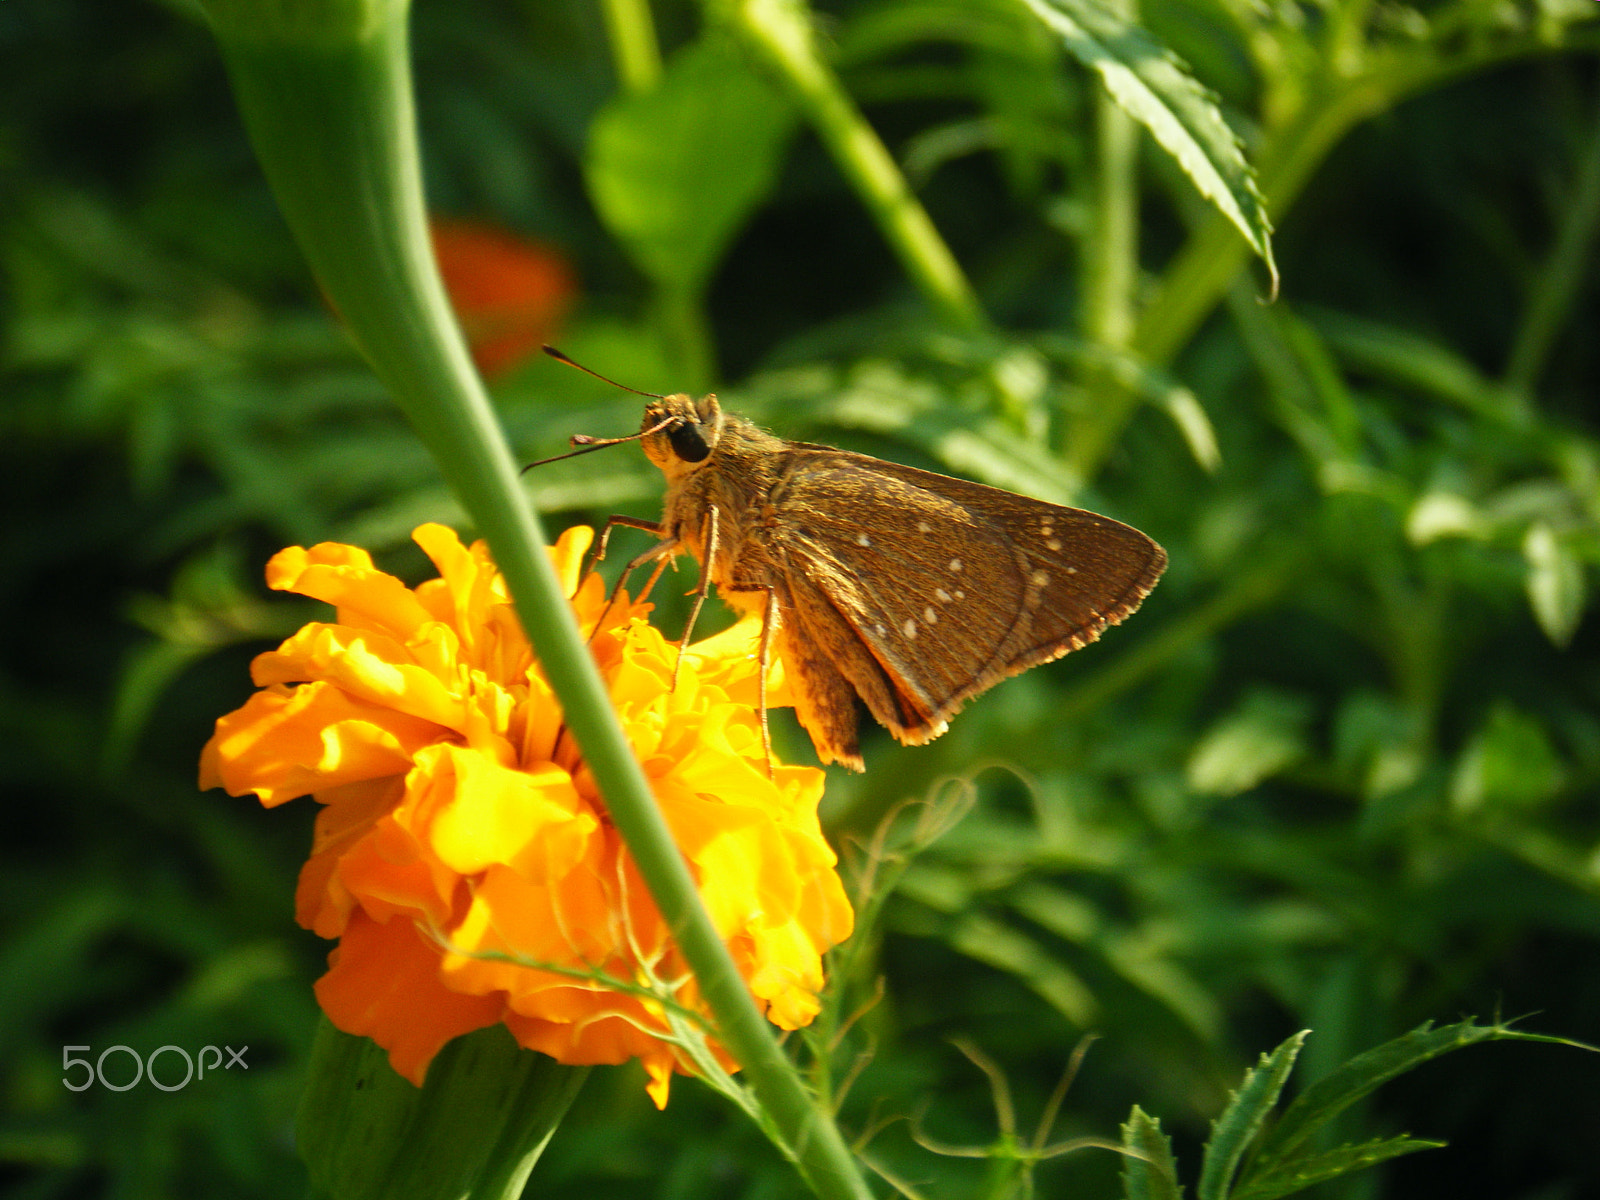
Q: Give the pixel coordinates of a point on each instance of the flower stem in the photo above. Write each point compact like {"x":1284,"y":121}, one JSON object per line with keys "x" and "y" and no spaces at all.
{"x":779,"y":32}
{"x":332,"y":122}
{"x":632,"y":31}
{"x":1111,"y":251}
{"x":1111,"y":255}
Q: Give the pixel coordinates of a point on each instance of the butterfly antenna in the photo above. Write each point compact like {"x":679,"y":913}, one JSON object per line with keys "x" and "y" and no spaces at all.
{"x":560,"y":357}
{"x":586,"y":444}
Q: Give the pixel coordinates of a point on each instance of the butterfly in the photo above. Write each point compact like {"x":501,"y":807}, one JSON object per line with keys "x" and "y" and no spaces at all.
{"x":879,"y":585}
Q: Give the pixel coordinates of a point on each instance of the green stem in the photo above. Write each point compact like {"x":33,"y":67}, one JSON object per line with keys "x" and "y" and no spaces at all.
{"x":331,"y":119}
{"x":779,"y":33}
{"x":1111,"y":255}
{"x":1557,"y":284}
{"x":686,"y":333}
{"x":1111,"y":252}
{"x":633,"y":43}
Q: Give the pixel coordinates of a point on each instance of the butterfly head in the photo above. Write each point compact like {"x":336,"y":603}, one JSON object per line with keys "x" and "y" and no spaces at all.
{"x":679,"y":434}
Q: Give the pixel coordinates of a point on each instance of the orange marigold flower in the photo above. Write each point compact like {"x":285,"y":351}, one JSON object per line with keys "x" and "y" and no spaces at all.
{"x":509,"y":292}
{"x":462,"y":845}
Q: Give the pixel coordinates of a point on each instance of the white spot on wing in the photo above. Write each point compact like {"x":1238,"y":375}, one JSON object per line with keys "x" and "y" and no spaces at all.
{"x":863,"y":540}
{"x":955,"y":564}
{"x":910,"y":628}
{"x":1039,"y":578}
{"x":928,"y":615}
{"x":924,"y":527}
{"x":942,"y":596}
{"x":1052,"y":543}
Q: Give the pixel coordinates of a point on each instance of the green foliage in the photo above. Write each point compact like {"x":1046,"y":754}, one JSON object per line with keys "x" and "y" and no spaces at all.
{"x":1157,"y":90}
{"x":677,"y":170}
{"x":1338,"y":775}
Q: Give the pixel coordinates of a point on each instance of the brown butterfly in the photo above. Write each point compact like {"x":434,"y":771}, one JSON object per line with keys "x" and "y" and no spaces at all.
{"x":909,"y":591}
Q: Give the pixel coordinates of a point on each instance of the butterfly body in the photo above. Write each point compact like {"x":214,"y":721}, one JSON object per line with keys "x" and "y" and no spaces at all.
{"x":909,"y":591}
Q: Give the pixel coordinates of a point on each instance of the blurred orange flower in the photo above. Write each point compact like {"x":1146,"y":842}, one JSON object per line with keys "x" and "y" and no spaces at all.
{"x":509,"y":292}
{"x":462,"y":845}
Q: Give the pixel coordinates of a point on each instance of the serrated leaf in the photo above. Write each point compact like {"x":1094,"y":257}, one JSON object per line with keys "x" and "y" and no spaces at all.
{"x":676,"y":170}
{"x":1555,"y":583}
{"x":1284,"y":1179}
{"x":1149,"y":1171}
{"x":1360,"y":1076}
{"x":1233,"y":1131}
{"x":1155,"y":89}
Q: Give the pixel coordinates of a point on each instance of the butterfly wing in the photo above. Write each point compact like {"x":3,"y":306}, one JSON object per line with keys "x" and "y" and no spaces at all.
{"x":929,"y":590}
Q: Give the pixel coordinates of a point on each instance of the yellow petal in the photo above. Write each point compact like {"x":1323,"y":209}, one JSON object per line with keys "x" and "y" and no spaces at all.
{"x":533,"y":821}
{"x":344,"y":576}
{"x":284,"y":744}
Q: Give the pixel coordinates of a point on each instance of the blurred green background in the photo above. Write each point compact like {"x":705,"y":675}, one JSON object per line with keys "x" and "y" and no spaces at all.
{"x":1339,"y":773}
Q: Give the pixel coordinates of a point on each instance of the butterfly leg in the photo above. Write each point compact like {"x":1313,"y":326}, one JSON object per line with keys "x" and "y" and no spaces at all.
{"x":769,"y":619}
{"x":604,"y":540}
{"x":661,"y":551}
{"x":708,"y":539}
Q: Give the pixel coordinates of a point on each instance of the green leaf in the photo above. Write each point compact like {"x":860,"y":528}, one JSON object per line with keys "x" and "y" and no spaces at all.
{"x":1148,"y":1169}
{"x":476,"y":1126}
{"x":1233,"y":1131}
{"x":676,"y":170}
{"x":1194,"y":425}
{"x":1555,"y":583}
{"x":1363,"y":1074}
{"x":1009,"y":950}
{"x":1265,"y":734}
{"x":1284,"y":1179}
{"x":1509,"y":764}
{"x":1155,"y":89}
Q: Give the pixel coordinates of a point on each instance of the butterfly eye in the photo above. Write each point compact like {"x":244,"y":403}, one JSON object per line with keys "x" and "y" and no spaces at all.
{"x":689,"y":441}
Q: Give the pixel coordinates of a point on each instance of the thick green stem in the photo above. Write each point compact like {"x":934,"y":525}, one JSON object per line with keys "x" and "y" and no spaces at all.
{"x":779,"y":33}
{"x":331,"y":118}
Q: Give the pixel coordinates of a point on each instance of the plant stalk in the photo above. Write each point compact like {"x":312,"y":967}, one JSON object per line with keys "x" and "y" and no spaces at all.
{"x":332,"y":121}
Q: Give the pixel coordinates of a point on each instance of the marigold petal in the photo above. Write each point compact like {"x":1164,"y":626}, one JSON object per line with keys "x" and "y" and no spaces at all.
{"x":345,"y":577}
{"x":659,"y":1068}
{"x":532,"y":820}
{"x":383,"y":983}
{"x":467,"y":579}
{"x":725,"y":757}
{"x":571,"y":922}
{"x":369,"y":666}
{"x":322,"y":902}
{"x":788,"y":975}
{"x":607,"y":1040}
{"x":282,"y":744}
{"x":394,"y":867}
{"x":567,"y":556}
{"x":729,"y":660}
